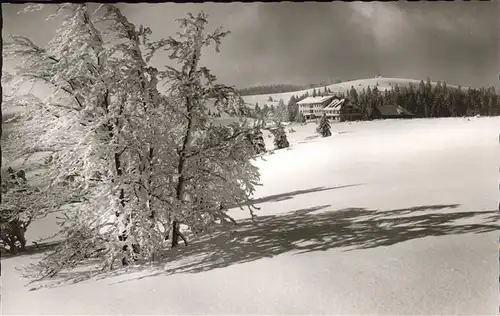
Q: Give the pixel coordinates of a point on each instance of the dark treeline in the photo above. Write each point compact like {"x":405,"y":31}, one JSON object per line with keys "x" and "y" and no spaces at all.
{"x":273,"y":88}
{"x":427,"y":100}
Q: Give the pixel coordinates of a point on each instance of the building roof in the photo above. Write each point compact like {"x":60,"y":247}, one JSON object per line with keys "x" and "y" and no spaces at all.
{"x":312,"y":100}
{"x":335,"y":104}
{"x":393,"y":110}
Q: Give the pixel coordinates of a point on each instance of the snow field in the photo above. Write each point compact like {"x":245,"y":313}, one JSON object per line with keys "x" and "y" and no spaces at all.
{"x":386,"y":217}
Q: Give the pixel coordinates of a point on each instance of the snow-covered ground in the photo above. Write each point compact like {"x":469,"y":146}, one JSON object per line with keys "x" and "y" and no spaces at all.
{"x":388,"y":217}
{"x":343,"y":87}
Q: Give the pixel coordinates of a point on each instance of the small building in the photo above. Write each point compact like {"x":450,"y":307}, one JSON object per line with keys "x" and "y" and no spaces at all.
{"x":394,"y":111}
{"x":312,"y":107}
{"x":341,"y":110}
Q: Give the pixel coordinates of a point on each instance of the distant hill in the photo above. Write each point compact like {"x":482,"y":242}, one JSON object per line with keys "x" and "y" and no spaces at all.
{"x":360,"y":84}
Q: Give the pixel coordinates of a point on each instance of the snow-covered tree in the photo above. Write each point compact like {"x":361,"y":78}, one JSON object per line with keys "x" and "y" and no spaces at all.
{"x":300,"y":118}
{"x":213,"y":162}
{"x":265,"y":110}
{"x":257,"y":110}
{"x":281,"y":111}
{"x":110,"y":130}
{"x":280,"y":139}
{"x":97,"y":124}
{"x":324,"y":127}
{"x":256,"y":138}
{"x":17,"y":210}
{"x":293,"y":108}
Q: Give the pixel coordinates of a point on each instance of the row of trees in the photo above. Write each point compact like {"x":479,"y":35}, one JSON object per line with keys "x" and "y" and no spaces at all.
{"x":271,"y":89}
{"x":321,"y":92}
{"x":281,"y":112}
{"x":429,"y":100}
{"x":282,"y":88}
{"x":278,"y":112}
{"x":132,"y":162}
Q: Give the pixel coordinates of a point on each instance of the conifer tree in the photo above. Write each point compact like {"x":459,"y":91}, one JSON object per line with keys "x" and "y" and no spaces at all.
{"x":387,"y":97}
{"x":375,"y":95}
{"x":324,"y":127}
{"x":411,"y":102}
{"x":372,"y":111}
{"x":421,"y":87}
{"x":453,"y":100}
{"x":293,"y":108}
{"x":280,"y":139}
{"x":256,"y":138}
{"x":398,"y":96}
{"x":265,"y":110}
{"x":353,"y":96}
{"x":300,"y":118}
{"x":258,"y":111}
{"x":492,"y":101}
{"x":484,"y":101}
{"x":272,"y":109}
{"x":282,"y":111}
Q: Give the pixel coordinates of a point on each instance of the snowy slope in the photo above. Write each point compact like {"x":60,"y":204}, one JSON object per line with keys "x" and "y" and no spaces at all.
{"x":360,"y":84}
{"x":386,"y":217}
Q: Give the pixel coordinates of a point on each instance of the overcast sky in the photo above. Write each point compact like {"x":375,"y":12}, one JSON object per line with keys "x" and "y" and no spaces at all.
{"x":313,"y":42}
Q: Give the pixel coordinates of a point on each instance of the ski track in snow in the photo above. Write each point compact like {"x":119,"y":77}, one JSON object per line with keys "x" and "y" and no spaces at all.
{"x":386,"y":217}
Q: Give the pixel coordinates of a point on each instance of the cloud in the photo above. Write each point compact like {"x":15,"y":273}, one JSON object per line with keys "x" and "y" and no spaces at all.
{"x":312,"y":42}
{"x":386,"y":21}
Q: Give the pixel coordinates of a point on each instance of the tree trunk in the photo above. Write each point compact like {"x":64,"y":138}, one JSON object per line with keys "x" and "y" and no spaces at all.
{"x":13,"y":248}
{"x":193,"y":63}
{"x":180,"y":170}
{"x":176,"y":233}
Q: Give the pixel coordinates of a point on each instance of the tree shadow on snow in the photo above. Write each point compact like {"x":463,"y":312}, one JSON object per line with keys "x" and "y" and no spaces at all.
{"x":301,"y":232}
{"x":308,"y":139}
{"x":31,"y":249}
{"x":290,"y":195}
{"x":68,"y":278}
{"x":87,"y":272}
